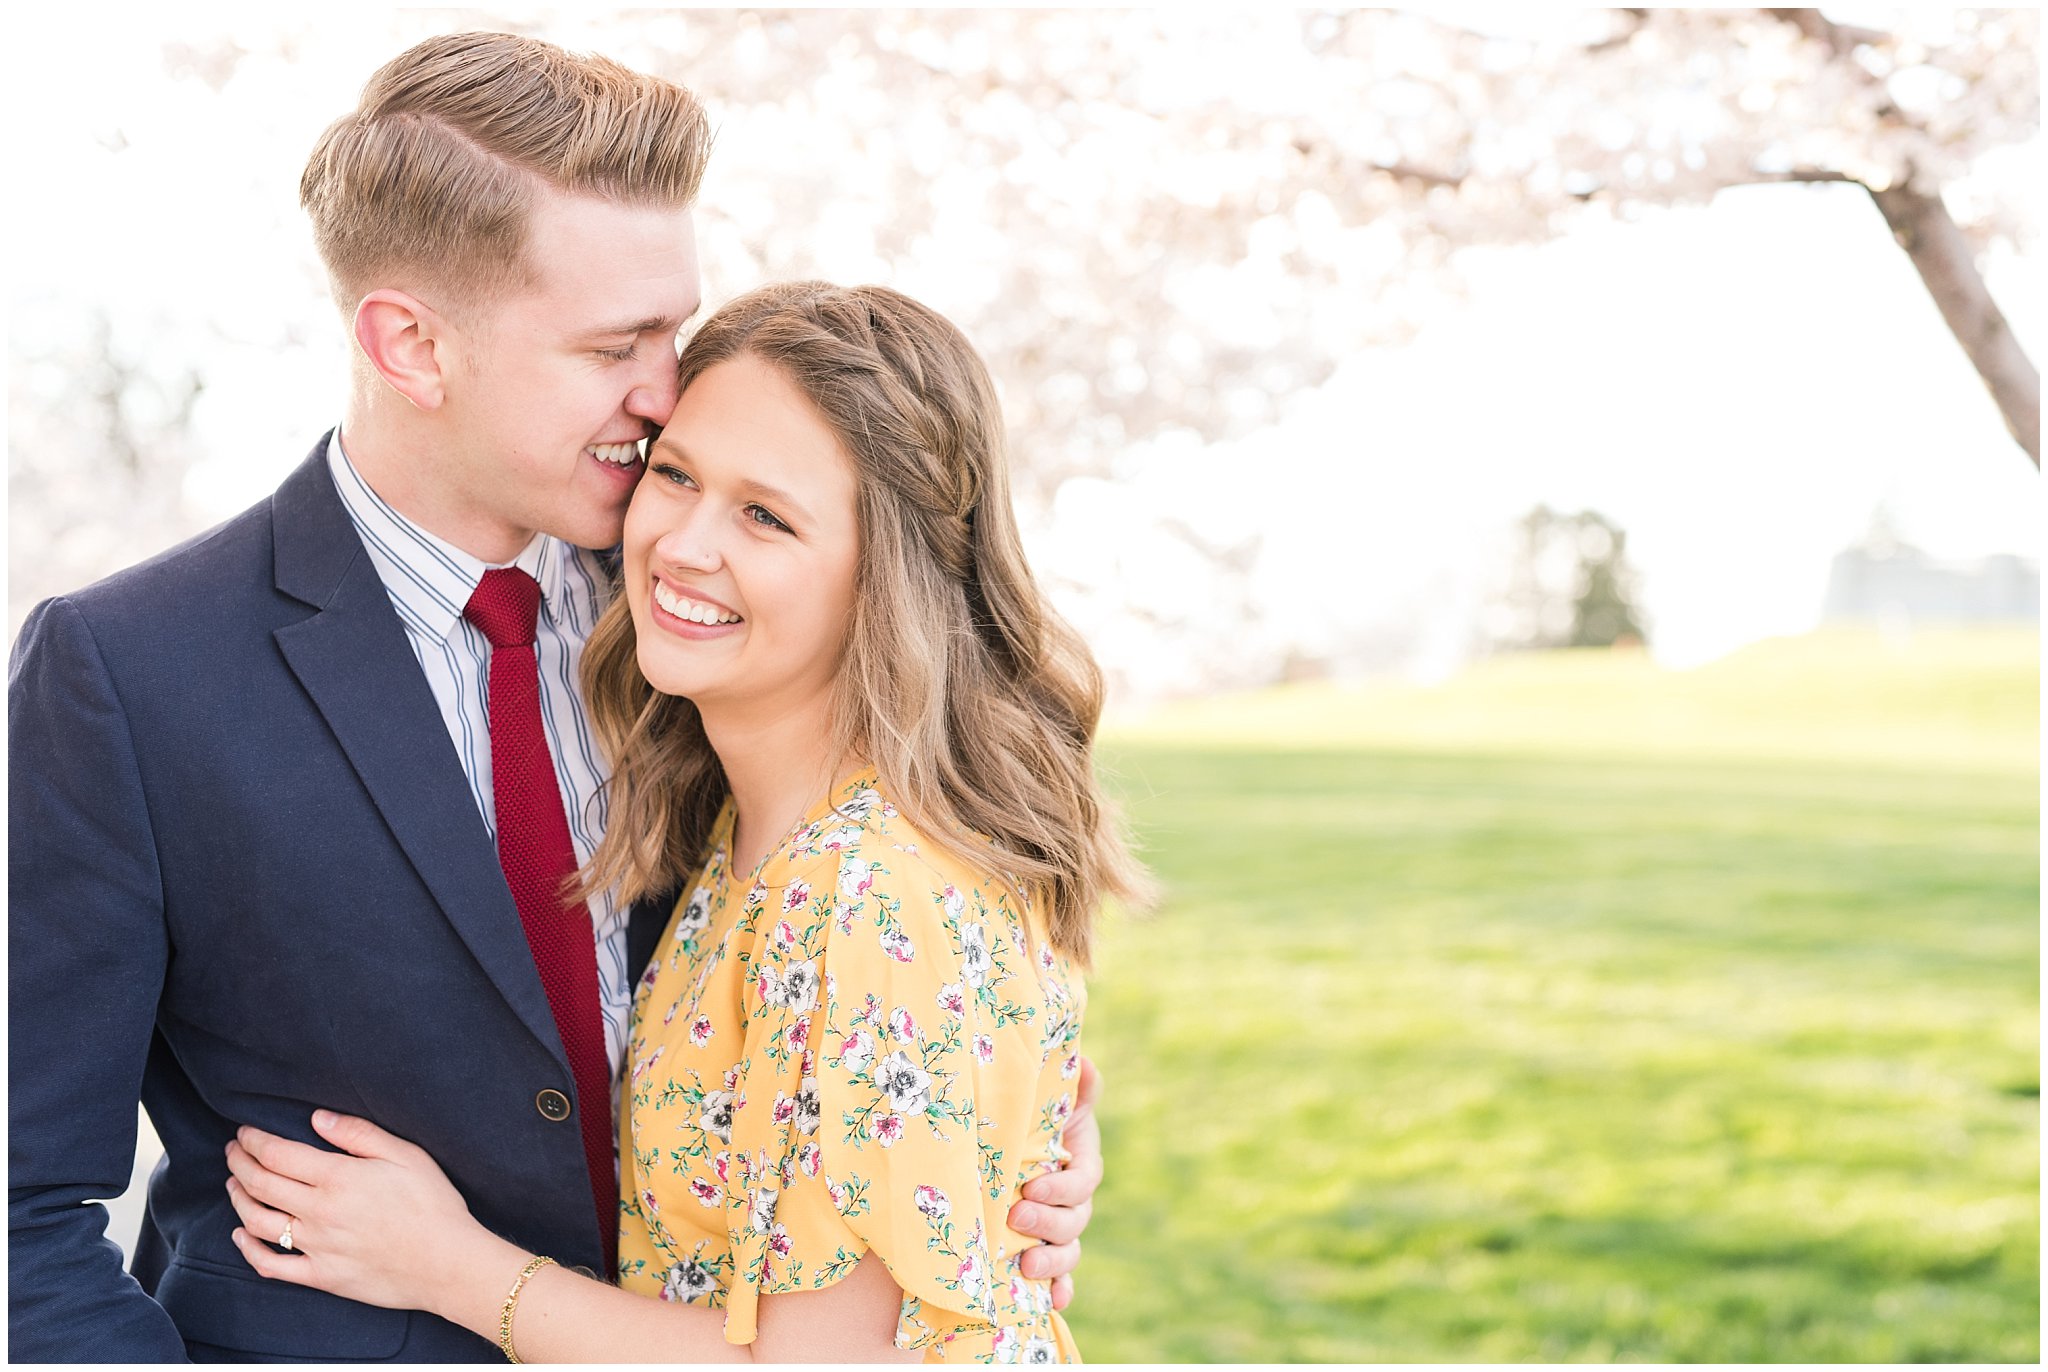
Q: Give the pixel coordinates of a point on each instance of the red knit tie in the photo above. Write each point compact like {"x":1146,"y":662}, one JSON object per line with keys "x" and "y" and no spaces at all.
{"x":534,"y":850}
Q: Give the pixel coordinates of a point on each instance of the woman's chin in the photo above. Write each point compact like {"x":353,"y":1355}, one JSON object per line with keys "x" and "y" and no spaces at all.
{"x":661,"y":673}
{"x":672,"y":683}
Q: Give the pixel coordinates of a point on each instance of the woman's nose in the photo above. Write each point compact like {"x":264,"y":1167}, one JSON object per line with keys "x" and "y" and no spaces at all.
{"x":691,"y":544}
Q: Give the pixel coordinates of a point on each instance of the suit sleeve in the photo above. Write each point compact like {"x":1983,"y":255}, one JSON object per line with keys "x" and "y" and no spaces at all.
{"x":87,"y":950}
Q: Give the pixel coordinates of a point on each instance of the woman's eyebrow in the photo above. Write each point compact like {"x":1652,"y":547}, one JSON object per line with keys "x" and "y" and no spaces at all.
{"x":748,"y":487}
{"x":771,"y":495}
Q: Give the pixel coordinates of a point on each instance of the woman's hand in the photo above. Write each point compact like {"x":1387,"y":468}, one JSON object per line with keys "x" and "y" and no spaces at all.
{"x":378,"y":1222}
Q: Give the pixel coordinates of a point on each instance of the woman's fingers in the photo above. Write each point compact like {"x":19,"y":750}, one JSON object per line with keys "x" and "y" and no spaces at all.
{"x":288,"y":1158}
{"x":269,"y":1188}
{"x":277,"y":1266}
{"x":1062,"y":1292}
{"x":260,"y":1220}
{"x":353,"y":1134}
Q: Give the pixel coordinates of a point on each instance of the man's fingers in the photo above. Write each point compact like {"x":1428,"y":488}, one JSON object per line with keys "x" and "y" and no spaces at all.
{"x":1088,"y":1088}
{"x":1051,"y":1260}
{"x":268,"y":1187}
{"x":1072,"y":1185}
{"x":1062,"y":1292}
{"x":1083,"y":1138}
{"x":1055,"y":1224}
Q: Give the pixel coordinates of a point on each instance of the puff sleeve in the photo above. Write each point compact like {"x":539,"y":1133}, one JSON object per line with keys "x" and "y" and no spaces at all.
{"x":897,"y":1034}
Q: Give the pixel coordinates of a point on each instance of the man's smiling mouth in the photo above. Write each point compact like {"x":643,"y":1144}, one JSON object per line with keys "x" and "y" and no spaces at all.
{"x":618,"y":454}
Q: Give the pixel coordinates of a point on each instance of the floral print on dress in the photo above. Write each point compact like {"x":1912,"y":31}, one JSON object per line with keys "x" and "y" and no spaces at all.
{"x":863,"y":1046}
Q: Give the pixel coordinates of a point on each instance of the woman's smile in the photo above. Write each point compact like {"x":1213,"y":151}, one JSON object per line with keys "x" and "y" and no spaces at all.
{"x":691,"y":613}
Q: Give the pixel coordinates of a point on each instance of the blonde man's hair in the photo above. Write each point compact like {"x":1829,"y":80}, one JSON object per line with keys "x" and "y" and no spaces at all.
{"x":972,"y":698}
{"x":433,"y":175}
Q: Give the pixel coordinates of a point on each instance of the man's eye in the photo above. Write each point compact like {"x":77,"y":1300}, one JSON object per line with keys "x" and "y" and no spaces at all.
{"x":765,"y":519}
{"x":624,"y":354}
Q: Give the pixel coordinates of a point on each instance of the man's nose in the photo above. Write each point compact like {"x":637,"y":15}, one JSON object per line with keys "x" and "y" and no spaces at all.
{"x":653,"y":397}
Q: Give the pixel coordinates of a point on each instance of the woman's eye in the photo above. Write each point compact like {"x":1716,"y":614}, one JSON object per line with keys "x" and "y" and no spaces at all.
{"x":675,"y":476}
{"x":765,"y":519}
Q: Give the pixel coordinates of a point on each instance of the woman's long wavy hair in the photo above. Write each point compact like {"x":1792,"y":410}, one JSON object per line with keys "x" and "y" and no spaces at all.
{"x":974,"y":701}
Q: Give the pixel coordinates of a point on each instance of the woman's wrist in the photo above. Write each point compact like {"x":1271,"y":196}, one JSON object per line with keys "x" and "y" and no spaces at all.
{"x":472,"y":1294}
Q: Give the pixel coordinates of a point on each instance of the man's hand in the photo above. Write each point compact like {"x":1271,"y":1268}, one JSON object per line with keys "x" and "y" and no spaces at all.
{"x":1057,"y":1205}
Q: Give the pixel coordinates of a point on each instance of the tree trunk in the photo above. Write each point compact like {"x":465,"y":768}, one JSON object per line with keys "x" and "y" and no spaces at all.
{"x":1921,"y":224}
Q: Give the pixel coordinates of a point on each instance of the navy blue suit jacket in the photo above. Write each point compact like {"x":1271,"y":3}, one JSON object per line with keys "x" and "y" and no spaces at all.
{"x":247,"y":880}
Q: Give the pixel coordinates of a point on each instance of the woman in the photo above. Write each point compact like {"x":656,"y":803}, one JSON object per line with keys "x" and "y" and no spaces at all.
{"x":829,"y":670}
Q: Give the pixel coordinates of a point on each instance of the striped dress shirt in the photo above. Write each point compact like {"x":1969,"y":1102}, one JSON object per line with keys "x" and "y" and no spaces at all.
{"x":429,"y":582}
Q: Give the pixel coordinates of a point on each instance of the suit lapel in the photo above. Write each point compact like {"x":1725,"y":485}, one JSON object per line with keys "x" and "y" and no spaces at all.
{"x":353,"y":659}
{"x":644,"y":928}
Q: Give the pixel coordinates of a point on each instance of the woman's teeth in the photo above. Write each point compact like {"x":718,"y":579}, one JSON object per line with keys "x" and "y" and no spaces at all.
{"x":618,"y":454}
{"x":683,"y":608}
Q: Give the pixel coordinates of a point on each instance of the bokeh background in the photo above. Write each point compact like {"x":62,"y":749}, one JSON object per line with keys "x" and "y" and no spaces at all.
{"x":1571,"y":594}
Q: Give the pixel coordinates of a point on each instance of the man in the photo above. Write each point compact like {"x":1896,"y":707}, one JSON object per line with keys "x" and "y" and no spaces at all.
{"x":273,"y":846}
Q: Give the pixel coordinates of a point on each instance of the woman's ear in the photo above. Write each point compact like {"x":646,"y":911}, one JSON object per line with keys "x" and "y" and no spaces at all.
{"x":403,"y":337}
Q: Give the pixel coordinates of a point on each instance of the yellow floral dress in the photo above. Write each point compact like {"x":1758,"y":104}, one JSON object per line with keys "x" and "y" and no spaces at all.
{"x":868,"y":1045}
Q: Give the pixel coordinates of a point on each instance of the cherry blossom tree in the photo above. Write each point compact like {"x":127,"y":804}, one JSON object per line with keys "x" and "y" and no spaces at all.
{"x":1186,"y":218}
{"x":1153,"y":223}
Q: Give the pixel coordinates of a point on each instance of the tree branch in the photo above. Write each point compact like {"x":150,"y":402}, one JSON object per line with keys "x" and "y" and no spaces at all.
{"x":1620,"y":37}
{"x":1400,"y":171}
{"x":1921,"y":224}
{"x":1809,"y":175}
{"x":1840,"y":39}
{"x":1923,"y":227}
{"x":1408,"y":171}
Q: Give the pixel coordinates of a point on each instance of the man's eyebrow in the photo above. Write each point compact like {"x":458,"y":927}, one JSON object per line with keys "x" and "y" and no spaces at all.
{"x":658,"y":323}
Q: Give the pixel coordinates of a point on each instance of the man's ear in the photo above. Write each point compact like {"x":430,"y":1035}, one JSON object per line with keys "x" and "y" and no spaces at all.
{"x":404,"y":338}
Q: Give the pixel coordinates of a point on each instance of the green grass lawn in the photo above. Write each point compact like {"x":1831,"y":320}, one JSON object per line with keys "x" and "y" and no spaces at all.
{"x":1579,"y":1010}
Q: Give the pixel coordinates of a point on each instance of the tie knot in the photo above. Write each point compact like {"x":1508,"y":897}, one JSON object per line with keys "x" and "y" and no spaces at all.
{"x":505,"y":605}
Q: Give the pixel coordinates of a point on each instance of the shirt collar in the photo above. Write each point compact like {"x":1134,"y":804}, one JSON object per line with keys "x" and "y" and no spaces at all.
{"x":430,"y":579}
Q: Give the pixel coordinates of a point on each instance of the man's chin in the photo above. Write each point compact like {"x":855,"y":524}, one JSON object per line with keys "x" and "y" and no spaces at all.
{"x":597,"y":532}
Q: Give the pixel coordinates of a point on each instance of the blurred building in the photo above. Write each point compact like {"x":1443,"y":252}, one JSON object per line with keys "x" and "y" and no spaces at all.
{"x":1884,"y":579}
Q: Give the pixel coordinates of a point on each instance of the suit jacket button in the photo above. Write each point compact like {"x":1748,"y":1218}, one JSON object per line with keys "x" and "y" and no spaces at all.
{"x":552,"y":1105}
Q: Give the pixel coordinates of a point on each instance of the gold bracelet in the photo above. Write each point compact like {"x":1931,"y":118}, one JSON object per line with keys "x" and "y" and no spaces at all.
{"x":512,"y":1303}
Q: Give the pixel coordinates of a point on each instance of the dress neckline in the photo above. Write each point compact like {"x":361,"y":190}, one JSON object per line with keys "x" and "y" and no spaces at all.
{"x":848,"y":788}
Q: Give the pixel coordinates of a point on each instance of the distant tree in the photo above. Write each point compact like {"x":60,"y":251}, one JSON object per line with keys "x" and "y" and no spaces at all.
{"x":1604,"y":613}
{"x":1569,"y":585}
